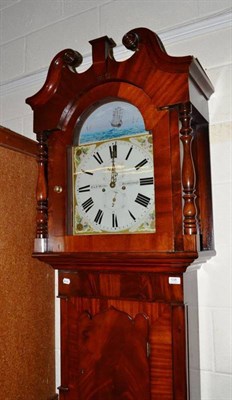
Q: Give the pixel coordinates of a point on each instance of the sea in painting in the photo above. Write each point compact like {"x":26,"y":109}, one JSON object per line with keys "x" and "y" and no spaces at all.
{"x":115,"y":119}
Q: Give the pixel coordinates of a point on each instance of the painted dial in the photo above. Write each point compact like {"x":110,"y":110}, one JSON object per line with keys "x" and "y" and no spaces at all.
{"x":114,"y":187}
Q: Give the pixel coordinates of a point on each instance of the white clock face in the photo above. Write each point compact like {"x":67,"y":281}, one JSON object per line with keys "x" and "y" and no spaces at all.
{"x":114,"y":186}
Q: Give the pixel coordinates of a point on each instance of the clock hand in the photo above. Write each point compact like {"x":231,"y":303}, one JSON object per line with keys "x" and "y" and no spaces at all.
{"x":113,"y":173}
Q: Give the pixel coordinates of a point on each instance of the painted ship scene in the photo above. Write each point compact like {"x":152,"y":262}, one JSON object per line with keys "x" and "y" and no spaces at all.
{"x":114,"y":119}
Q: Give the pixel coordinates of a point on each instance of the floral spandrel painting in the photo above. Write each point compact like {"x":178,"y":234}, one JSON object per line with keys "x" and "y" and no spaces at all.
{"x":112,"y":120}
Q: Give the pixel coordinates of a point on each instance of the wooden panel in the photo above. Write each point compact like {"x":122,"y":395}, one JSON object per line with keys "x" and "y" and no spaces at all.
{"x":26,"y":285}
{"x":161,"y":355}
{"x":111,"y":356}
{"x":160,"y":338}
{"x":179,"y":352}
{"x":134,"y":286}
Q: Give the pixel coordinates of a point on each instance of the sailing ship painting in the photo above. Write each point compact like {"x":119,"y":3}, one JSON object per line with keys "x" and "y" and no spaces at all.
{"x":113,"y":119}
{"x":116,"y":121}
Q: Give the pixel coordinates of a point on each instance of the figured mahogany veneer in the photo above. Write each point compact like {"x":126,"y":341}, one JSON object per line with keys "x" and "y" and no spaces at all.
{"x":122,"y":308}
{"x":126,"y":346}
{"x":106,"y":356}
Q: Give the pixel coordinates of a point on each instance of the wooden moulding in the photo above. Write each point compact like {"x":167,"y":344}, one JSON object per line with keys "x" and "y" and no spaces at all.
{"x":162,"y":262}
{"x":15,"y":141}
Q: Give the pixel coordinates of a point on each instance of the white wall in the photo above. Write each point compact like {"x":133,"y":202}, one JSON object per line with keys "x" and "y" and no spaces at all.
{"x":32,"y":32}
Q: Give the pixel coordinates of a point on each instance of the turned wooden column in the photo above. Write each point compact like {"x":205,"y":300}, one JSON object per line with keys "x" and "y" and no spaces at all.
{"x":41,"y":190}
{"x":188,"y":170}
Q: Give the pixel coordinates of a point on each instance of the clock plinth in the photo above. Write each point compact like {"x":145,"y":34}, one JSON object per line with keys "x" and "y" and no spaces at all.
{"x":123,"y":208}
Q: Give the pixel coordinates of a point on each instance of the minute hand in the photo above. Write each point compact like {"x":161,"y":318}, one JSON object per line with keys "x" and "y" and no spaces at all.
{"x":113,"y":174}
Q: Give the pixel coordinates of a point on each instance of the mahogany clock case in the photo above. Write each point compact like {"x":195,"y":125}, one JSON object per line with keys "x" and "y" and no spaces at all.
{"x":164,"y":89}
{"x":123,"y":333}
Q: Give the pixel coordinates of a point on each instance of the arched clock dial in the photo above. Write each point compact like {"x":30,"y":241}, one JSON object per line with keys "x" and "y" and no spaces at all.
{"x":113,"y":186}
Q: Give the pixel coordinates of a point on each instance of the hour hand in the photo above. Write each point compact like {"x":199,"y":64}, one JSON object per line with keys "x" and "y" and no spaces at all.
{"x":113,"y":178}
{"x":113,"y":171}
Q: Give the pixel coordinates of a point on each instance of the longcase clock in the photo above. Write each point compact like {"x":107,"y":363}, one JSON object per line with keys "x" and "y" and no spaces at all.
{"x":123,"y":208}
